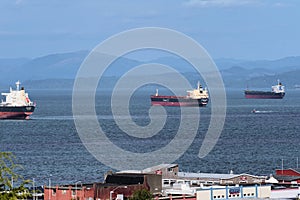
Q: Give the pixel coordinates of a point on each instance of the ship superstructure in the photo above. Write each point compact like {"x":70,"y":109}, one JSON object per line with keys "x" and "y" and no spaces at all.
{"x":16,"y":104}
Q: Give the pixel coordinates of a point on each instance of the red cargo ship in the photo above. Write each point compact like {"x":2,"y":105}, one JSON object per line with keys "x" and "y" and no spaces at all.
{"x":198,"y":97}
{"x":17,"y":104}
{"x":277,"y":92}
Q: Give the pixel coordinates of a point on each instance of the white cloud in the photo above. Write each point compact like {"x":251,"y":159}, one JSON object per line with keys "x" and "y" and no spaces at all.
{"x":281,"y":4}
{"x":19,"y":2}
{"x":8,"y":33}
{"x":220,"y":3}
{"x":234,"y":3}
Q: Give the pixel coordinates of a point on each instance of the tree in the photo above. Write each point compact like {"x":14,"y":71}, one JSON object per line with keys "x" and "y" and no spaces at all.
{"x":7,"y":174}
{"x":142,"y":194}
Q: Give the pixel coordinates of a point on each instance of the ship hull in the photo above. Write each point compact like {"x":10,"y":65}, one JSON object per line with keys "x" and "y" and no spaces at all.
{"x":177,"y":101}
{"x":16,"y":112}
{"x":263,"y":95}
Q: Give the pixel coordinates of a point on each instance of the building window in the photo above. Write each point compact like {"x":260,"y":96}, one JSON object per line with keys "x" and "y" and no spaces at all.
{"x":170,"y":169}
{"x":73,"y":192}
{"x":64,"y":191}
{"x":172,"y":182}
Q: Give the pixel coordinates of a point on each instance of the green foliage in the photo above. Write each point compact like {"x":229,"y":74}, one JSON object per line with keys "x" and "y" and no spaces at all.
{"x":142,"y":194}
{"x":7,"y":174}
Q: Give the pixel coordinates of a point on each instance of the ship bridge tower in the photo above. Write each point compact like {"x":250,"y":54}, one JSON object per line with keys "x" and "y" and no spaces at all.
{"x":18,"y":83}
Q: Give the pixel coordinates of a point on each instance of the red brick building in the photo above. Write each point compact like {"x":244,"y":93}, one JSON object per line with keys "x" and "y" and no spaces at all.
{"x":114,"y":184}
{"x":69,"y":192}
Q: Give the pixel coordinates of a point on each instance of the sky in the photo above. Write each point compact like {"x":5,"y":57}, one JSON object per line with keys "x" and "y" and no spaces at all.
{"x":240,"y":29}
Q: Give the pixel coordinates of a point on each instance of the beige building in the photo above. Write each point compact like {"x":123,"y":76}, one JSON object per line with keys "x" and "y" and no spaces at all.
{"x":170,"y":175}
{"x":166,"y":170}
{"x":226,"y":192}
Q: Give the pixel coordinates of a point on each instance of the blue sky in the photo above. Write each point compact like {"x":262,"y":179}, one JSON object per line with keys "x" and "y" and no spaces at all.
{"x":241,"y":29}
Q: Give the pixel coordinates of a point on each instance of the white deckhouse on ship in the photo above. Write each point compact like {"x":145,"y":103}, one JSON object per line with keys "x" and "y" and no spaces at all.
{"x":16,"y":105}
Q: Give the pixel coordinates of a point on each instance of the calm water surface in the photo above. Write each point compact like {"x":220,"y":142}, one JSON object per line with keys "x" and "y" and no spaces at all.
{"x":49,"y":146}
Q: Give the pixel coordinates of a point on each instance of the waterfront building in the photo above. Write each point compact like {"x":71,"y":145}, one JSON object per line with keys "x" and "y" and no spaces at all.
{"x":288,"y":176}
{"x":113,"y":186}
{"x":165,"y":182}
{"x":235,"y":192}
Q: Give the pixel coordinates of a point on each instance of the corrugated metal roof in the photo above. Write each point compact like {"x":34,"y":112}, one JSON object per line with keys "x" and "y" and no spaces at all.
{"x":130,"y":172}
{"x":287,"y":178}
{"x":148,"y":170}
{"x":206,"y":175}
{"x":214,"y":176}
{"x":294,"y":169}
{"x":158,"y":167}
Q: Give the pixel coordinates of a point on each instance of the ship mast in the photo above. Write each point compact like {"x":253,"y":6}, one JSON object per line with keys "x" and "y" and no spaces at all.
{"x":18,"y":85}
{"x":279,"y":82}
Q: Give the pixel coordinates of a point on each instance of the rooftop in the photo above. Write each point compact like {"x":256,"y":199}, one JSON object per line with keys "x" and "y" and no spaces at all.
{"x":158,"y":167}
{"x":213,"y":176}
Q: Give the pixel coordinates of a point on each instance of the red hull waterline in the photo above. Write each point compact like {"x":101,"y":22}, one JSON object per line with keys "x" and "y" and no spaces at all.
{"x":177,"y":104}
{"x":15,"y":115}
{"x":263,"y":96}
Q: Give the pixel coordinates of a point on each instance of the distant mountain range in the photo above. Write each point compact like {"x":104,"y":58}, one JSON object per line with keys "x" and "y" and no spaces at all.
{"x":59,"y":70}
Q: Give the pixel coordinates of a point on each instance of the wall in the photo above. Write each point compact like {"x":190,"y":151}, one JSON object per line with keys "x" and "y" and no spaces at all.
{"x":170,"y":172}
{"x":229,"y":192}
{"x":242,"y":179}
{"x":68,"y":193}
{"x":102,"y":191}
